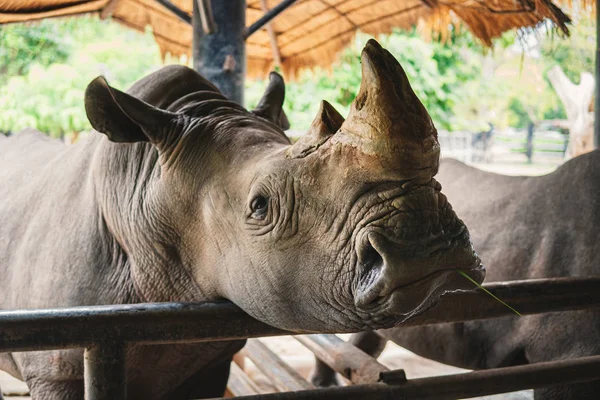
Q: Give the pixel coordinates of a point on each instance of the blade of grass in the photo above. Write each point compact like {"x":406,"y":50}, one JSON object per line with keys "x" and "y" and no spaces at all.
{"x":488,"y":292}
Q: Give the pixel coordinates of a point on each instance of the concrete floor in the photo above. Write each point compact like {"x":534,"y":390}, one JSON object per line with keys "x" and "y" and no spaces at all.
{"x":13,"y":388}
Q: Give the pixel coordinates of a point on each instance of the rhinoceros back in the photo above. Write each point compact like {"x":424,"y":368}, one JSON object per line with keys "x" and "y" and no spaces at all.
{"x":47,"y":221}
{"x":530,"y":227}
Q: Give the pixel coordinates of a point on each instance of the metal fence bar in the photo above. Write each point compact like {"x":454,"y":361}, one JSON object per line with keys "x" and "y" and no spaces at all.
{"x":104,"y":372}
{"x":459,"y":386}
{"x":269,"y":15}
{"x":156,"y":323}
{"x":146,"y":323}
{"x":178,"y":12}
{"x":533,"y":296}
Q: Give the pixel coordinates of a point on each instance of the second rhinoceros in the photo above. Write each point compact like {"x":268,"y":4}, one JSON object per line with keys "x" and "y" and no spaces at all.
{"x":190,"y":197}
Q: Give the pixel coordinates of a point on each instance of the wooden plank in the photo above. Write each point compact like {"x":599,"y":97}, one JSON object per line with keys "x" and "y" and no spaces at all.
{"x":284,"y":377}
{"x":459,"y":386}
{"x":343,"y":357}
{"x":240,"y":359}
{"x":239,"y":383}
{"x":272,"y":37}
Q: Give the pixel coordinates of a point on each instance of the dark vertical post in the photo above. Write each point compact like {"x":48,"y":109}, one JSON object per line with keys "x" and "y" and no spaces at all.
{"x":221,"y":56}
{"x":597,"y":99}
{"x":104,"y":372}
{"x":529,"y":145}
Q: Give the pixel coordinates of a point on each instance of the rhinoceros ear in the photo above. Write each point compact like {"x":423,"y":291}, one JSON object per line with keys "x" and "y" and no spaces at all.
{"x":124,"y":118}
{"x":270,"y":105}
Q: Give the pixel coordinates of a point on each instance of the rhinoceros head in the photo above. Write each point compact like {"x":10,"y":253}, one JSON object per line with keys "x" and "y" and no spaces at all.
{"x":345,"y":230}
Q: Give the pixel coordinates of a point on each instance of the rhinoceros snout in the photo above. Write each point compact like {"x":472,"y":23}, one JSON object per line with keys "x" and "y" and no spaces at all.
{"x":402,"y":280}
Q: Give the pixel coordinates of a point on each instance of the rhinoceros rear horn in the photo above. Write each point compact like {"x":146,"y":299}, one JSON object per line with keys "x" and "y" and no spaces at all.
{"x":270,"y":105}
{"x":387,"y":120}
{"x":124,"y":118}
{"x":326,"y":123}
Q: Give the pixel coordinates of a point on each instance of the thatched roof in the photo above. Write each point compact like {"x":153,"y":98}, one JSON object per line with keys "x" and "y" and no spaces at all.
{"x":311,"y":32}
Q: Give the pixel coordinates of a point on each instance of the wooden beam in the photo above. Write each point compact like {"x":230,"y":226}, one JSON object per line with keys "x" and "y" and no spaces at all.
{"x":239,"y":383}
{"x":108,"y":9}
{"x":430,"y":3}
{"x":275,"y":11}
{"x":284,"y":377}
{"x":272,"y":37}
{"x":207,"y":19}
{"x":344,"y":358}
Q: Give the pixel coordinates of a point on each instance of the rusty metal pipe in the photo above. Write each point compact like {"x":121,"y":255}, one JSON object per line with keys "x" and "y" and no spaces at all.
{"x":104,"y":372}
{"x":532,"y":296}
{"x":27,"y":330}
{"x":459,"y":386}
{"x":146,"y":323}
{"x":178,"y":12}
{"x":269,"y":15}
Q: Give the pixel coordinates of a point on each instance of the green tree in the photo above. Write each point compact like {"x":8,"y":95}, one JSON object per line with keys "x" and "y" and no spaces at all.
{"x":23,"y":45}
{"x":575,"y":55}
{"x":49,"y":97}
{"x":464,"y":86}
{"x":437,"y":73}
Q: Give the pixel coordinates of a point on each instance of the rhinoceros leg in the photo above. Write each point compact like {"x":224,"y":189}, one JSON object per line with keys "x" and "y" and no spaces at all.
{"x":562,"y":336}
{"x":208,"y":383}
{"x":369,"y":342}
{"x":53,"y":374}
{"x":56,"y":390}
{"x":580,"y":391}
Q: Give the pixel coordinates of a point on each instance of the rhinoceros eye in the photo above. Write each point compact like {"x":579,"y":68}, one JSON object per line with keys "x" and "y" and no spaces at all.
{"x":259,"y":207}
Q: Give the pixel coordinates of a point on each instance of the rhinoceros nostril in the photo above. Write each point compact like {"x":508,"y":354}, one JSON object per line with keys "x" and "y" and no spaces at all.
{"x":370,"y":269}
{"x":371,"y":257}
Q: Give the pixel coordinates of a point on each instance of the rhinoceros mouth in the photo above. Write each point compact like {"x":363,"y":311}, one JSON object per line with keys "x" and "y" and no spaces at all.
{"x":415,"y":298}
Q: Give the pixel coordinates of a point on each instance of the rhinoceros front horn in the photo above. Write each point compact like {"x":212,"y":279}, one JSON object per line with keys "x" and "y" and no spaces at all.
{"x":387,"y":122}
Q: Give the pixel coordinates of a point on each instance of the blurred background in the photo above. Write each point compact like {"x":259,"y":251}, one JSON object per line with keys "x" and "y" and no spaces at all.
{"x":509,"y":109}
{"x":498,"y":108}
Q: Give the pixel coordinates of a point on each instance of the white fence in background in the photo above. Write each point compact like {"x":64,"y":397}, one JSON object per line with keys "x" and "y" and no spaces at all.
{"x":504,"y":145}
{"x":458,"y":145}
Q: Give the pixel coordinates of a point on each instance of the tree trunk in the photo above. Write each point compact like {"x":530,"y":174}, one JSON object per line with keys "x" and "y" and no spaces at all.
{"x":577,"y":100}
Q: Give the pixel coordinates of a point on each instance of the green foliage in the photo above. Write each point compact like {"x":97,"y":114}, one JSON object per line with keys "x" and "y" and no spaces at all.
{"x":519,"y":118}
{"x":50,"y":97}
{"x":436,"y":72}
{"x":22,"y":45}
{"x":45,"y":67}
{"x":575,"y":55}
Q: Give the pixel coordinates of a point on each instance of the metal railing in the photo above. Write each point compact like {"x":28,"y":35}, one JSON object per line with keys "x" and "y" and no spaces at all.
{"x":105,"y":331}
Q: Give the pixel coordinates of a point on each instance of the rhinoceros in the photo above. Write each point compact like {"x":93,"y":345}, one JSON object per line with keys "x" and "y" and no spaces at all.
{"x":522,"y":228}
{"x":182,"y":195}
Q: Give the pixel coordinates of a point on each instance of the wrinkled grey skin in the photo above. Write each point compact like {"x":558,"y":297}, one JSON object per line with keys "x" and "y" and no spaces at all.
{"x":523,"y":228}
{"x":189,"y":197}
